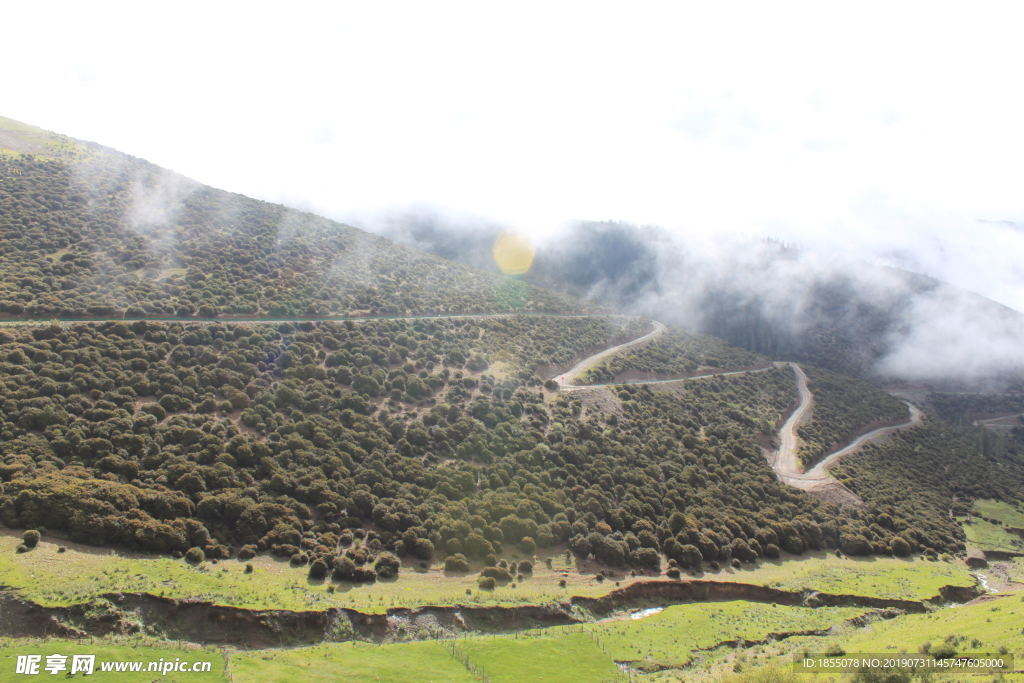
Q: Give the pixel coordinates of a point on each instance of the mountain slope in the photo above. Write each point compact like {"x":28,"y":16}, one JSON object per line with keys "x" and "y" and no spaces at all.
{"x":89,"y":232}
{"x":341,"y":444}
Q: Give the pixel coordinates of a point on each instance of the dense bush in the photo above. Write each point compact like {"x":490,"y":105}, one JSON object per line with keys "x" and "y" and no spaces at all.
{"x":456,"y":563}
{"x":318,"y":569}
{"x":387,"y":566}
{"x":30,"y":538}
{"x":267,"y":445}
{"x":910,"y":482}
{"x":499,"y":574}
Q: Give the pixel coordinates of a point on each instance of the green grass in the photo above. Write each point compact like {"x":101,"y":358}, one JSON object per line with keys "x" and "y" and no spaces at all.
{"x":109,"y":650}
{"x":667,"y":639}
{"x":421,"y":661}
{"x":987,"y":536}
{"x":559,"y":654}
{"x":34,"y":140}
{"x":541,"y":656}
{"x":982,"y":628}
{"x":662,"y":642}
{"x":995,"y":623}
{"x":18,"y":126}
{"x":884,"y":577}
{"x":1015,"y":569}
{"x":82,"y":572}
{"x":1004,"y":512}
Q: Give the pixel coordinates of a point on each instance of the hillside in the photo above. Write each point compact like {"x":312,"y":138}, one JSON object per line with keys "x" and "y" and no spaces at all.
{"x":403,"y":435}
{"x":208,"y":396}
{"x":88,"y":232}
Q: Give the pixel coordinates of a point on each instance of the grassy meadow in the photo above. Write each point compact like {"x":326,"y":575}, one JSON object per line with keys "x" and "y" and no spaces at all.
{"x":660,"y":647}
{"x":884,"y":577}
{"x":988,"y":529}
{"x":563,"y":653}
{"x":992,"y":626}
{"x":81,"y":572}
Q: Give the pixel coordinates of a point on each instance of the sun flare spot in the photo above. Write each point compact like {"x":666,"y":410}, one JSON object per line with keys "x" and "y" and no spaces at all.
{"x":513,"y":253}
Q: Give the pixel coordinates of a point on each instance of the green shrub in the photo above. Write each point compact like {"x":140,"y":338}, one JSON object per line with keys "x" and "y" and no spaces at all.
{"x":31,"y":538}
{"x":195,"y":555}
{"x":387,"y":566}
{"x":317,"y":569}
{"x":499,"y":574}
{"x":456,"y":563}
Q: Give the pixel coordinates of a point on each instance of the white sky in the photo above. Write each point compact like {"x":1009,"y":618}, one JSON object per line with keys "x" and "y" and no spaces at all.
{"x":881,"y":129}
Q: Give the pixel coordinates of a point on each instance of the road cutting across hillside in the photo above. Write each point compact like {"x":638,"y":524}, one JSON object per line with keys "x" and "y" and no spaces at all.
{"x":784,"y":460}
{"x":566,"y":378}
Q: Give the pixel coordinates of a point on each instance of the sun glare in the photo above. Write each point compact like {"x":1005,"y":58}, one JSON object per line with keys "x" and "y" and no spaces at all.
{"x":513,"y":253}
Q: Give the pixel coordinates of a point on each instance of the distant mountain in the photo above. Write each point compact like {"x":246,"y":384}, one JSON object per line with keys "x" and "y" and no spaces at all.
{"x":767,"y":297}
{"x":88,"y":231}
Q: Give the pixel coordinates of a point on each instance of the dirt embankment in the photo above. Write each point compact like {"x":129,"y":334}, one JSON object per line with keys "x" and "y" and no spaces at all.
{"x":206,"y":623}
{"x":1002,"y":554}
{"x":662,"y":592}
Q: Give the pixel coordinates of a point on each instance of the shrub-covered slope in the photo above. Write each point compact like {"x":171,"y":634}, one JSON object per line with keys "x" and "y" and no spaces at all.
{"x":339,"y":443}
{"x":321,"y":440}
{"x":88,"y":232}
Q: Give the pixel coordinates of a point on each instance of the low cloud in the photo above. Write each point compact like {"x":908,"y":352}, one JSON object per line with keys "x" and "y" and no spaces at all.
{"x":842,"y":309}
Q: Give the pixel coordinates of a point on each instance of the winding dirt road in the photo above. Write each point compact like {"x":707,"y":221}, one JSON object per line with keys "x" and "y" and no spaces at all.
{"x":783,"y":460}
{"x":786,"y":463}
{"x":565,"y":379}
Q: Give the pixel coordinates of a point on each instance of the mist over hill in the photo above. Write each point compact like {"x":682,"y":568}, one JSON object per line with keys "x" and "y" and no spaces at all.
{"x":86,"y":231}
{"x":767,"y":296}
